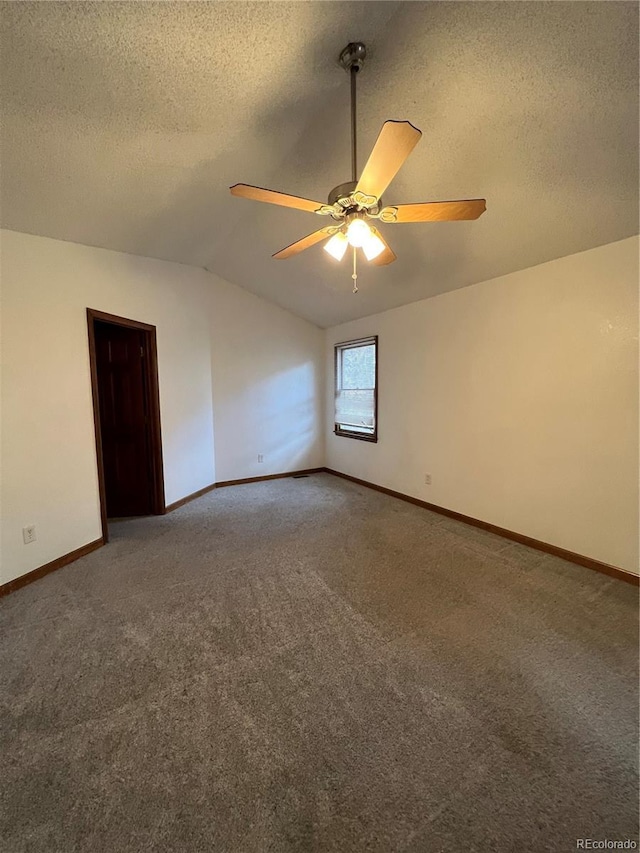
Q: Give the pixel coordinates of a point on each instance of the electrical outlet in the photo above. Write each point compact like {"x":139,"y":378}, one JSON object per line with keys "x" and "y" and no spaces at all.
{"x":260,"y":457}
{"x":29,"y":533}
{"x":427,"y":479}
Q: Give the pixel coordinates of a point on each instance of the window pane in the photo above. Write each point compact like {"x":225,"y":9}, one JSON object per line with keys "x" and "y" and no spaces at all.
{"x":359,"y":367}
{"x":355,"y":409}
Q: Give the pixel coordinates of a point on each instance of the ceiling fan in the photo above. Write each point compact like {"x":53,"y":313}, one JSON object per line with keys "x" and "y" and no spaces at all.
{"x":355,"y":204}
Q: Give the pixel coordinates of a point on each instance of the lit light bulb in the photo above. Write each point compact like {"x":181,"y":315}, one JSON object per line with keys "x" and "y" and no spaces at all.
{"x":372,"y":246}
{"x":357,"y":232}
{"x":337,"y":246}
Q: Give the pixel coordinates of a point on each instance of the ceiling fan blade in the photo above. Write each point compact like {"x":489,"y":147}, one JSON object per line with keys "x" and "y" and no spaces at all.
{"x":273,"y":197}
{"x":435,"y":211}
{"x":395,"y":142}
{"x":305,"y":243}
{"x":387,"y":256}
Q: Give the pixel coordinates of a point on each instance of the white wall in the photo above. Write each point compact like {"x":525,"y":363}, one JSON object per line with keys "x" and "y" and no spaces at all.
{"x":48,"y":459}
{"x":520,"y":397}
{"x":268,"y":369}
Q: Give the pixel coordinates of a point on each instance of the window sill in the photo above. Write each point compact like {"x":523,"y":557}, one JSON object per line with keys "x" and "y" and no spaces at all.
{"x":357,"y":435}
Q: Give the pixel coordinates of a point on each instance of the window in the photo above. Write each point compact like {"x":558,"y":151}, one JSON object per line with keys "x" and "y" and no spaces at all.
{"x":356,"y":389}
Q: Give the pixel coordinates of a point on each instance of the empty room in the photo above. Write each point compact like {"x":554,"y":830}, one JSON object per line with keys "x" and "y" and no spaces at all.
{"x":319,"y":440}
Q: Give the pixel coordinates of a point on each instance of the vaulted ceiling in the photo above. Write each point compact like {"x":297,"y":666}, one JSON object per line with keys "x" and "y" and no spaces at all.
{"x":124,"y":124}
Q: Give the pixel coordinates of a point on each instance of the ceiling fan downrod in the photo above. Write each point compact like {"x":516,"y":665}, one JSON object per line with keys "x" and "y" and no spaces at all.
{"x":352,"y":59}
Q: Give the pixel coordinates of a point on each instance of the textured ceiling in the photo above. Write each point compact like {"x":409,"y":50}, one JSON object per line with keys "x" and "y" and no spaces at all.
{"x":124,"y":124}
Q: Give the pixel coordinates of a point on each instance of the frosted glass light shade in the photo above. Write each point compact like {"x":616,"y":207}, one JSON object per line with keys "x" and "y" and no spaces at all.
{"x":337,"y":246}
{"x":372,"y":246}
{"x":357,"y":232}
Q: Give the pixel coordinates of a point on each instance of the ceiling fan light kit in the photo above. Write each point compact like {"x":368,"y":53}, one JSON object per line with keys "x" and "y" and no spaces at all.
{"x":337,"y":245}
{"x":354,"y":204}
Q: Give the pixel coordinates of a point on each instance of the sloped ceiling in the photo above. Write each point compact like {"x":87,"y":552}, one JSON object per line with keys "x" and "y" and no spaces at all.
{"x":124,"y":124}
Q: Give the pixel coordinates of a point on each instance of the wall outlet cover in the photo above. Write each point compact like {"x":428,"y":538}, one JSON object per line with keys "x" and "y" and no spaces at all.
{"x":29,"y":533}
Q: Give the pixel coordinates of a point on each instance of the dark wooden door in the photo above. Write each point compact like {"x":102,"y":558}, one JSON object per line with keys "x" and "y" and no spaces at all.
{"x":124,"y":420}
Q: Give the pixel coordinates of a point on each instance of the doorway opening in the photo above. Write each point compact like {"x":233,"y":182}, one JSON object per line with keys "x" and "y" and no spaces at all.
{"x":126,"y":414}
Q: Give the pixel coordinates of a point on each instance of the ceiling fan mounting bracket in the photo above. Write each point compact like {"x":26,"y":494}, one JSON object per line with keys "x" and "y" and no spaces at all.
{"x":353,"y":56}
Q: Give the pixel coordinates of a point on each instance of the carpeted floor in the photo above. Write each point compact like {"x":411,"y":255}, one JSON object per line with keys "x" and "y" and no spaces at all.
{"x":308,"y":665}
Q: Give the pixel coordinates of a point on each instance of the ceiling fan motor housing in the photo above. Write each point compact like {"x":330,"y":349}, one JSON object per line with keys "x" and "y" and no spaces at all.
{"x":345,"y":200}
{"x":342,"y":191}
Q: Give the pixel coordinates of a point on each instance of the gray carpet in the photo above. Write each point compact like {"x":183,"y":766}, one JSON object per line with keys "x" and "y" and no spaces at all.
{"x":308,"y":665}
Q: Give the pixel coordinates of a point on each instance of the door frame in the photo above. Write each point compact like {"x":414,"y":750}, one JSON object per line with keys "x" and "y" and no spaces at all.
{"x":150,"y":363}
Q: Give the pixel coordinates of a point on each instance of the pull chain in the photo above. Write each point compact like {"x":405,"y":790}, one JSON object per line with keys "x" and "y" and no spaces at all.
{"x":355,"y":271}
